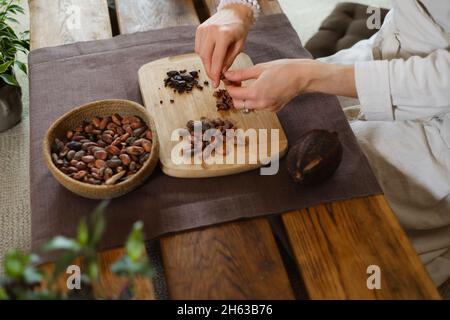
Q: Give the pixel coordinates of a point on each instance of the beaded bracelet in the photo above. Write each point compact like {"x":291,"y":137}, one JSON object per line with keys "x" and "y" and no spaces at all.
{"x":252,"y":4}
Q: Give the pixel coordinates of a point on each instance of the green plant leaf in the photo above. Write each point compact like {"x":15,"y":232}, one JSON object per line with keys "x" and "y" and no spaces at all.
{"x":22,"y":66}
{"x":3,"y":294}
{"x":5,"y":66}
{"x":11,"y":19}
{"x":93,"y":270}
{"x":98,"y":223}
{"x":83,"y":233}
{"x":135,"y":247}
{"x":32,"y":275}
{"x":9,"y":79}
{"x":15,"y":264}
{"x":62,"y":243}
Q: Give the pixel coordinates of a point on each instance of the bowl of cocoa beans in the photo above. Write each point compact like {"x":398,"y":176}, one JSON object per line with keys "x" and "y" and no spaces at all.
{"x":103,"y":149}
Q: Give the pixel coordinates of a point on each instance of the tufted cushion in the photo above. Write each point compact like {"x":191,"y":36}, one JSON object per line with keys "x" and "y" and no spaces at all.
{"x":345,"y":26}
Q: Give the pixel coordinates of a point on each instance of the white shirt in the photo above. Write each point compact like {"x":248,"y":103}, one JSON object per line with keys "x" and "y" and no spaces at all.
{"x":403,"y":71}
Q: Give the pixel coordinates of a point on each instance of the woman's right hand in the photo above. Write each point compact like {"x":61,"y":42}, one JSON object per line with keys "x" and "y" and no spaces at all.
{"x":221,"y":38}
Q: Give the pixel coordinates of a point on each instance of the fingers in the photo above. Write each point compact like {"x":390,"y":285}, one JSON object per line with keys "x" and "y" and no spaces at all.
{"x":218,"y":58}
{"x":206,"y":51}
{"x":231,"y":56}
{"x":241,"y":93}
{"x":243,"y":74}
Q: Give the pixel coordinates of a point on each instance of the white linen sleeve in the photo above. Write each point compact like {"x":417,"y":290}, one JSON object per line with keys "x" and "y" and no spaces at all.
{"x":360,"y":51}
{"x":415,"y":82}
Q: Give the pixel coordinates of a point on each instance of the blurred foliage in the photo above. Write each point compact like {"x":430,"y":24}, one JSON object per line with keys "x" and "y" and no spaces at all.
{"x":24,"y":280}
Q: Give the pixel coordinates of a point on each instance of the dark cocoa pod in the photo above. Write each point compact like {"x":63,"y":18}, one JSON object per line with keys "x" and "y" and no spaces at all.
{"x":315,"y":157}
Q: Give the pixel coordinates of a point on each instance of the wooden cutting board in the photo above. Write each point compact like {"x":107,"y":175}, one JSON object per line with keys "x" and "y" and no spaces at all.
{"x":192,"y":106}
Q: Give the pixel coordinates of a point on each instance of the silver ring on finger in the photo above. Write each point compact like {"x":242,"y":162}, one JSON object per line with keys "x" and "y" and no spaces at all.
{"x":244,"y":109}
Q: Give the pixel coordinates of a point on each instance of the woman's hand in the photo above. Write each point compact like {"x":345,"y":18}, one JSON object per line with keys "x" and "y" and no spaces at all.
{"x":278,"y":82}
{"x":220,"y":39}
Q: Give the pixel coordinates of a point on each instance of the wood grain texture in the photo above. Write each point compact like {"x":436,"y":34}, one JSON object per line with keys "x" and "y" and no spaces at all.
{"x":110,"y":285}
{"x":335,"y":243}
{"x":230,"y":261}
{"x":192,"y":106}
{"x":143,"y":15}
{"x":267,"y":6}
{"x":57,"y":22}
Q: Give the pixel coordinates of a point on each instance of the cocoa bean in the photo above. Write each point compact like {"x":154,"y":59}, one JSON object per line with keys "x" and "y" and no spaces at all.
{"x":138,"y":131}
{"x":108,"y":173}
{"x":87,"y":159}
{"x":116,"y":141}
{"x":96,"y":176}
{"x":80,"y":175}
{"x":117,"y":119}
{"x":125,"y":159}
{"x":99,"y":163}
{"x":78,"y":155}
{"x":124,"y":137}
{"x":114,"y":162}
{"x":101,"y":143}
{"x":72,"y":169}
{"x":55,"y":157}
{"x":103,"y":123}
{"x":85,"y":146}
{"x":136,"y":151}
{"x":81,"y":165}
{"x":113,"y":150}
{"x":74,"y":145}
{"x":107,"y":138}
{"x":120,"y":131}
{"x":100,"y":154}
{"x":96,"y":122}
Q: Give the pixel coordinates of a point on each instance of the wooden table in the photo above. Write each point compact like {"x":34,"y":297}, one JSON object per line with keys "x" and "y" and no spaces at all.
{"x":332,"y":244}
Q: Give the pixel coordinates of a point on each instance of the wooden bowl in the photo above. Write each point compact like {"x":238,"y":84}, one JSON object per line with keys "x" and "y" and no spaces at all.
{"x":74,"y":118}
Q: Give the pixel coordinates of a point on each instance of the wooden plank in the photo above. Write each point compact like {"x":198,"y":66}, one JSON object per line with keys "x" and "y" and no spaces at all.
{"x":110,"y":285}
{"x":231,"y":261}
{"x":59,"y":22}
{"x":335,"y":243}
{"x":194,"y":105}
{"x":267,"y":6}
{"x":143,"y":15}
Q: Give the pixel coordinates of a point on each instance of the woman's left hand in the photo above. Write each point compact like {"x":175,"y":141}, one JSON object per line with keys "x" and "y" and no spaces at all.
{"x":278,"y":82}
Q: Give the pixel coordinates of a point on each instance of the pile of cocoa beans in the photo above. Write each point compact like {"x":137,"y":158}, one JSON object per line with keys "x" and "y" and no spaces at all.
{"x":182,"y":81}
{"x":104,"y":150}
{"x":197,"y":143}
{"x":224,"y":102}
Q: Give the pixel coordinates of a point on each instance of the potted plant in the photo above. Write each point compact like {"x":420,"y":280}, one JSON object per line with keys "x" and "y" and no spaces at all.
{"x":10,"y":44}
